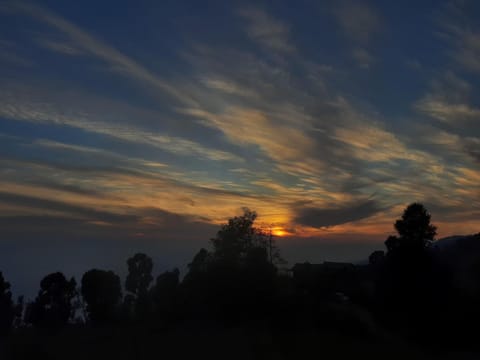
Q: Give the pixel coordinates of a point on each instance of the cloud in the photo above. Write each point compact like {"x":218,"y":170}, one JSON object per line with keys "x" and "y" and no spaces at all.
{"x":449,"y":101}
{"x":326,"y":217}
{"x":81,"y":212}
{"x":252,"y":127}
{"x":83,"y":41}
{"x":372,"y":143}
{"x":228,"y":87}
{"x":60,"y":47}
{"x":465,"y":41}
{"x":359,"y":21}
{"x":122,"y":187}
{"x":363,"y":58}
{"x":140,"y":219}
{"x":452,"y":113}
{"x":459,"y":27}
{"x":267,"y":31}
{"x":343,"y":149}
{"x":472,"y":147}
{"x":469,"y":52}
{"x":17,"y":106}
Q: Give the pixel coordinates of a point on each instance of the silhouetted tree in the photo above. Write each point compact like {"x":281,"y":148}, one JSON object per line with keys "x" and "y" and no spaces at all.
{"x":195,"y":286}
{"x":241,"y":275}
{"x":239,"y":236}
{"x":259,"y":275}
{"x":414,"y":228}
{"x":407,"y":285}
{"x":199,"y":264}
{"x":166,"y":284}
{"x":415,"y":234}
{"x":137,"y":283}
{"x":101,"y":291}
{"x":235,"y":238}
{"x":376,"y":258}
{"x":164,"y":294}
{"x":392,"y":243}
{"x":7,"y":308}
{"x":139,"y":274}
{"x":19,"y":306}
{"x":52,"y":307}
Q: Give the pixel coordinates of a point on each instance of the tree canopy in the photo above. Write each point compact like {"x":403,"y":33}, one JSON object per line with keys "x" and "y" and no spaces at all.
{"x":414,"y":229}
{"x":101,"y":291}
{"x":53,"y":306}
{"x":139,"y":276}
{"x":239,"y":241}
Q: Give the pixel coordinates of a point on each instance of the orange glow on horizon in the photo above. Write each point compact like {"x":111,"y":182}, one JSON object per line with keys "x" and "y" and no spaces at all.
{"x":279,"y":232}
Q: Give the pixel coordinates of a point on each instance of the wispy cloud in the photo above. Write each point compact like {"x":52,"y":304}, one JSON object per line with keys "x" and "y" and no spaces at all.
{"x":448,"y":112}
{"x":82,"y":40}
{"x":248,"y":126}
{"x":266,"y":30}
{"x":19,"y":108}
{"x":359,"y":21}
{"x":461,"y":31}
{"x":363,"y":57}
{"x":449,"y":101}
{"x":60,"y":46}
{"x":228,"y":87}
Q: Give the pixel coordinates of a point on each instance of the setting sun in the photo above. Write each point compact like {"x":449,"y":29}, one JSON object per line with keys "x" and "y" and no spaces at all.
{"x":279,"y":232}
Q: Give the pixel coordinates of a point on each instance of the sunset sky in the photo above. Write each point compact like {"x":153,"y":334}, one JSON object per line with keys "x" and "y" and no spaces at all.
{"x":140,"y":126}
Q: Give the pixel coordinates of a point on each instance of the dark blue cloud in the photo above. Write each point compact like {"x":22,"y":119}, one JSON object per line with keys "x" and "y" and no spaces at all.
{"x":325,"y":217}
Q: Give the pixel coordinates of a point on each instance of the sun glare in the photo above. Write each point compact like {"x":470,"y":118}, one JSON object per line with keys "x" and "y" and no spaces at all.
{"x":279,"y":232}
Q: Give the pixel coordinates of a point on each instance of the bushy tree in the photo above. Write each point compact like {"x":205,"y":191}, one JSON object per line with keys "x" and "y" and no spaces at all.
{"x":238,"y":237}
{"x":415,"y":231}
{"x":138,"y":281}
{"x":101,"y":291}
{"x":235,"y":238}
{"x":52,"y":307}
{"x":376,"y":258}
{"x":199,"y":264}
{"x":139,"y":276}
{"x":241,"y":273}
{"x":407,"y":286}
{"x":164,"y":294}
{"x":166,"y":284}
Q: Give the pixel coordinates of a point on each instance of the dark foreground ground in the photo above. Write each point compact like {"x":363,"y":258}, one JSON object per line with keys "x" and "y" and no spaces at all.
{"x":197,"y":343}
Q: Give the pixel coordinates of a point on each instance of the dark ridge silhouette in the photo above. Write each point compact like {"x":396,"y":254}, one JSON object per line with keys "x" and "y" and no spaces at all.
{"x":418,"y":299}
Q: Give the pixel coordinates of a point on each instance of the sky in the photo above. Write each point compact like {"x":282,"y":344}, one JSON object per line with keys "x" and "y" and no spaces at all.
{"x":143,"y":126}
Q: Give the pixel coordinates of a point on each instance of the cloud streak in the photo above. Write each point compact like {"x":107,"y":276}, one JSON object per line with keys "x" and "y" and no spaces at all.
{"x":325,"y":217}
{"x":266,"y":30}
{"x":86,"y":42}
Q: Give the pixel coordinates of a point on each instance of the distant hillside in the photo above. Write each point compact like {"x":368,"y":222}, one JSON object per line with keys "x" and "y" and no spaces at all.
{"x":460,"y":253}
{"x":455,"y":240}
{"x":458,"y":247}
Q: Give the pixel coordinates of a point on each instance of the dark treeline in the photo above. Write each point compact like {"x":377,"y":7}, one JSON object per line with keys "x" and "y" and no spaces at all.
{"x":404,"y":295}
